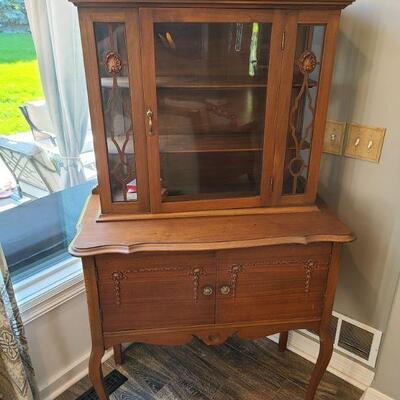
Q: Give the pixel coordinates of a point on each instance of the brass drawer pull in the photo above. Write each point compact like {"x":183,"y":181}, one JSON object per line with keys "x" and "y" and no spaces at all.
{"x":225,"y":290}
{"x":149,"y":115}
{"x":207,"y":290}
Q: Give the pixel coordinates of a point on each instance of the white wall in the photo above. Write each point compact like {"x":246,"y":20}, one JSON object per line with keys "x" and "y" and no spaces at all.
{"x":59,"y":343}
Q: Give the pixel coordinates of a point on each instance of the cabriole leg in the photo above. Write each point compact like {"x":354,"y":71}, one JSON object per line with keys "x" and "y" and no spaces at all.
{"x":92,"y":296}
{"x":325,"y":354}
{"x":96,"y":373}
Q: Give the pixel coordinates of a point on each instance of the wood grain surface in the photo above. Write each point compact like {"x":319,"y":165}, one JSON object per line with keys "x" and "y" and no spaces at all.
{"x":204,"y":233}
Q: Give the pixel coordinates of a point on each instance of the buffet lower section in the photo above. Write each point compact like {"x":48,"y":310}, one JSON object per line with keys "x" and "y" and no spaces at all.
{"x":169,"y":297}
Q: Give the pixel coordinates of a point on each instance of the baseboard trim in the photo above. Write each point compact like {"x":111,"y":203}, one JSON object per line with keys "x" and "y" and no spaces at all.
{"x":59,"y":383}
{"x":341,"y":366}
{"x":372,"y":394}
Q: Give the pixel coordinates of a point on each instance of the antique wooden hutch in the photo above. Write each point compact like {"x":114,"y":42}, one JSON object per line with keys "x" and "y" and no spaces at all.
{"x":208,"y":120}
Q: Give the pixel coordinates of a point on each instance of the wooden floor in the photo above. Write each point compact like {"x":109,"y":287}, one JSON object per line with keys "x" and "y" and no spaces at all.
{"x":237,"y":370}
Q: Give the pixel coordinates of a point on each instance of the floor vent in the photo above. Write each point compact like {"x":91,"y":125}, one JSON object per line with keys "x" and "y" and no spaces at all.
{"x":354,"y":339}
{"x":111,"y":382}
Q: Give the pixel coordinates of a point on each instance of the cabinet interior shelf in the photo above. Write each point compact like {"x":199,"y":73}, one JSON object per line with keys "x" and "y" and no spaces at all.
{"x":210,"y":143}
{"x":242,"y":190}
{"x":238,"y":142}
{"x":200,"y":143}
{"x":184,"y":83}
{"x":221,"y":83}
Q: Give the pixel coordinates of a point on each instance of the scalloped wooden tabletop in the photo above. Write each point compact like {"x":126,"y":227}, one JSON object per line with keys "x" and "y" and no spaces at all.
{"x":204,"y":233}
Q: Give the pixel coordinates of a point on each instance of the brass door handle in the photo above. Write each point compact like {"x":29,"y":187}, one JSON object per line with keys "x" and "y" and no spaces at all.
{"x":207,"y":290}
{"x":149,"y":115}
{"x":225,"y":290}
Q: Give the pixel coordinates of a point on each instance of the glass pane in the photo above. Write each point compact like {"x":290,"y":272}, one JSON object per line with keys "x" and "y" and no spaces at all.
{"x":39,"y":232}
{"x":211,"y":95}
{"x":113,"y":67}
{"x":309,"y":48}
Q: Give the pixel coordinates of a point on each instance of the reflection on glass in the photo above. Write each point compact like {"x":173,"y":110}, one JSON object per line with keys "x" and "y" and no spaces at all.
{"x":211,"y":94}
{"x":309,"y":48}
{"x":113,"y":69}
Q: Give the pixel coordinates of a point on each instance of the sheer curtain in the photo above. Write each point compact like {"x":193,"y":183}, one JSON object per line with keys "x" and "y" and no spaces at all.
{"x":55,"y":30}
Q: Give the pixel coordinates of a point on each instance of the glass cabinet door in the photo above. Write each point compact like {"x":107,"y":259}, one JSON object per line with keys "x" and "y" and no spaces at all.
{"x":113,"y":72}
{"x":307,"y":68}
{"x":113,"y":65}
{"x":306,"y":80}
{"x":211,"y":79}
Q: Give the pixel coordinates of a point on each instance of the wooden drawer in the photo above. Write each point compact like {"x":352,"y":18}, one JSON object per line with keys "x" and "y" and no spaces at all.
{"x":144,"y":291}
{"x":276,"y":283}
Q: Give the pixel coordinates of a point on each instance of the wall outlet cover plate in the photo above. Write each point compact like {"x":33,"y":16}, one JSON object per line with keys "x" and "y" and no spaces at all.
{"x":364,"y":142}
{"x":334,"y":137}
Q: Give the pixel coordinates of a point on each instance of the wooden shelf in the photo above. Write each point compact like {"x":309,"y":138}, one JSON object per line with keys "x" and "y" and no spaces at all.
{"x":190,"y":83}
{"x":207,"y":83}
{"x":210,"y":143}
{"x":243,"y":191}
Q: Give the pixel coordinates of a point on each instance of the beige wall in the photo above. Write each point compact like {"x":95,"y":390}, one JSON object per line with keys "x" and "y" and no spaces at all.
{"x":387,"y":378}
{"x":366,"y":195}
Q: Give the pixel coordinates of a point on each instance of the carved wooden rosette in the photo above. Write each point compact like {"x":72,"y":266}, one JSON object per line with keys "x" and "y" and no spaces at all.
{"x":113,"y":63}
{"x":307,"y":62}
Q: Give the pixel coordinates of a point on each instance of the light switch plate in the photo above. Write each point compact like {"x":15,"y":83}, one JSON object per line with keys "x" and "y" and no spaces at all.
{"x":334,"y":137}
{"x":364,"y":142}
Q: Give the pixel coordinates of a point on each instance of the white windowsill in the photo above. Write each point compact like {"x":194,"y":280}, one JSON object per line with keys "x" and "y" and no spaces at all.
{"x":48,"y":289}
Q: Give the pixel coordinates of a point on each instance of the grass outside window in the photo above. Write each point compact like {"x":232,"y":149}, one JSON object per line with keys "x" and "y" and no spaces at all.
{"x":19,"y":80}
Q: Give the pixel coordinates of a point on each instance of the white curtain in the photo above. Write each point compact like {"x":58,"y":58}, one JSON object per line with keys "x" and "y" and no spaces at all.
{"x":55,"y":30}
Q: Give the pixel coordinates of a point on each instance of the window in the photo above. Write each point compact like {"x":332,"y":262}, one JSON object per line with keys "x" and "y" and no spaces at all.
{"x":38,"y":211}
{"x":36,"y":234}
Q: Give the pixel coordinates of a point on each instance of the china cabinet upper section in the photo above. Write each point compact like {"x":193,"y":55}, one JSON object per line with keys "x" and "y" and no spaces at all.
{"x":208,"y":106}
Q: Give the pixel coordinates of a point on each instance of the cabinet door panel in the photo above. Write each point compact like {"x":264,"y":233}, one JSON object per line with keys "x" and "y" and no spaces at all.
{"x":211,"y":101}
{"x":272,"y":284}
{"x":308,"y":58}
{"x":113,"y":73}
{"x":139,"y":292}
